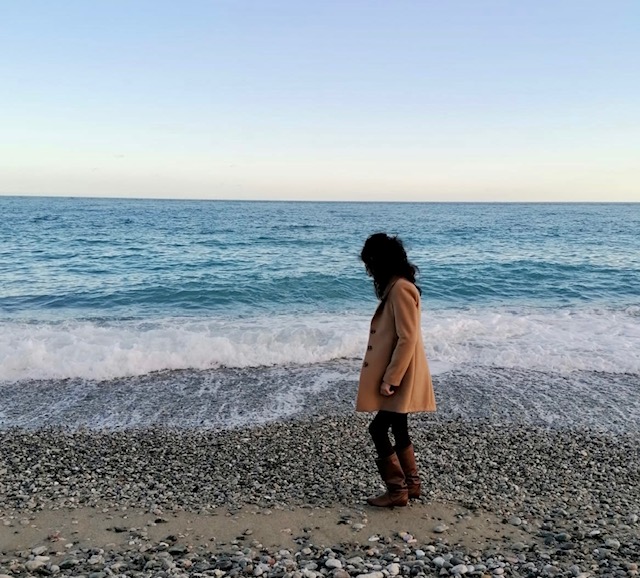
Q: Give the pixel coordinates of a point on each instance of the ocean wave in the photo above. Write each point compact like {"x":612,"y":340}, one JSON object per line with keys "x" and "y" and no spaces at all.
{"x":559,"y":340}
{"x":104,"y":350}
{"x":204,"y":293}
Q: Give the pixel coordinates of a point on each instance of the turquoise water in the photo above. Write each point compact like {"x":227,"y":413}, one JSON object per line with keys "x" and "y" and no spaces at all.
{"x":102,"y":289}
{"x":86,"y":258}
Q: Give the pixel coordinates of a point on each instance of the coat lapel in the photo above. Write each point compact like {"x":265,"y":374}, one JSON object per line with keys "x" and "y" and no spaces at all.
{"x":383,"y":299}
{"x":389,"y":287}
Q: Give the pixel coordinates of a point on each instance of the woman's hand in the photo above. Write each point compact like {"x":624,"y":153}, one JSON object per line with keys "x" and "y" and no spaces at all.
{"x":386,"y":389}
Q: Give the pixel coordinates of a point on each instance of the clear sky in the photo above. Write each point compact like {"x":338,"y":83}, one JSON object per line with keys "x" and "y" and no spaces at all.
{"x":447,"y":100}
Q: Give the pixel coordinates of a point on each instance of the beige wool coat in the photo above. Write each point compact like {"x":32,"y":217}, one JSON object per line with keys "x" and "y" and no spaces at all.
{"x":395,"y":354}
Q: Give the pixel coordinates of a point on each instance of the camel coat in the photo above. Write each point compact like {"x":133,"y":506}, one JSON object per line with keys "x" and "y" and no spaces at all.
{"x":395,"y":354}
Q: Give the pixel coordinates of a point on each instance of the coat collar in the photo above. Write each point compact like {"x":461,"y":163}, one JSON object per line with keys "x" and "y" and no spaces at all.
{"x":390,"y":285}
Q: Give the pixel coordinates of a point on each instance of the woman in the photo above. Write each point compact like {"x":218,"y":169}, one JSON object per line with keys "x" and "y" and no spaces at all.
{"x":395,"y":378}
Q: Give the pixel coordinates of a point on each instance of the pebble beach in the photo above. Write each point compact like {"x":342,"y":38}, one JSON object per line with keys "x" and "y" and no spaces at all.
{"x":287,"y":499}
{"x":177,"y":382}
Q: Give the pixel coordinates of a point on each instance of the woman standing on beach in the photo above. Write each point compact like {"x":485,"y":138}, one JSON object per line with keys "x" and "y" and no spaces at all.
{"x":395,"y":378}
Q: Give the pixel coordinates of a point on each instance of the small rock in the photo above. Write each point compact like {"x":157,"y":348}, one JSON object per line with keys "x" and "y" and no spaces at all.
{"x":68,"y":563}
{"x":459,"y":569}
{"x":95,"y":560}
{"x":393,"y":569}
{"x":333,"y":563}
{"x":612,"y":543}
{"x":515,"y":521}
{"x":37,"y":563}
{"x":439,"y":561}
{"x":440,"y":528}
{"x":119,"y":529}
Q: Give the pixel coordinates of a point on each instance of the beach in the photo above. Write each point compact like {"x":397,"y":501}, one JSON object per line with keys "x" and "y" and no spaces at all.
{"x":288,"y":499}
{"x":177,"y":386}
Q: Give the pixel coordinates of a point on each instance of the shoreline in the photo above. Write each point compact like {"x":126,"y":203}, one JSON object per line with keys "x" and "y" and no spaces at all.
{"x":232,"y":398}
{"x":515,"y":500}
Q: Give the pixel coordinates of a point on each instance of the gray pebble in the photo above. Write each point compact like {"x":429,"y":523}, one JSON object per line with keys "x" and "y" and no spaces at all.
{"x":612,"y":544}
{"x":440,"y":528}
{"x":393,"y":569}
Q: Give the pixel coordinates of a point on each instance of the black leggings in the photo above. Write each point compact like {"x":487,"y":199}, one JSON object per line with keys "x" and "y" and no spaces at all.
{"x":379,"y":430}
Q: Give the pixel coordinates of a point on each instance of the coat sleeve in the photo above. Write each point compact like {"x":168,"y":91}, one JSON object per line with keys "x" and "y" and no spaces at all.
{"x":404,"y":300}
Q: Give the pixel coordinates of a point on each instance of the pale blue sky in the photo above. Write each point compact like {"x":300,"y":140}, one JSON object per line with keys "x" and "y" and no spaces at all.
{"x":444,"y":100}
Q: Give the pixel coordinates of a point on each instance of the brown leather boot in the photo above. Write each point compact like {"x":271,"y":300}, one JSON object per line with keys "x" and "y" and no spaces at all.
{"x":391,"y":473}
{"x":408,"y":463}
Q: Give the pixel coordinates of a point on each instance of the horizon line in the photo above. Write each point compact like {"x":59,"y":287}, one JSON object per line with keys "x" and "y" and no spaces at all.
{"x":258,"y":200}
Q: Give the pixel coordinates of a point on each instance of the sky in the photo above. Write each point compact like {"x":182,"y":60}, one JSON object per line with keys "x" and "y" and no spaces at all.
{"x":448,"y":100}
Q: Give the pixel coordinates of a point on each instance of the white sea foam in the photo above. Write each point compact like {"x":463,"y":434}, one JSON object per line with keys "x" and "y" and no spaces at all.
{"x":559,"y":340}
{"x":105,"y":351}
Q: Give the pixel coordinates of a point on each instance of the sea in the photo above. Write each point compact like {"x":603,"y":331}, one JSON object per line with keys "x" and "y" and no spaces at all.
{"x":127,"y":313}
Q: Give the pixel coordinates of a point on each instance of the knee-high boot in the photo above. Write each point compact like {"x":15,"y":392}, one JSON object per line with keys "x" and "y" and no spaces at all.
{"x":393,"y":477}
{"x":407,"y":459}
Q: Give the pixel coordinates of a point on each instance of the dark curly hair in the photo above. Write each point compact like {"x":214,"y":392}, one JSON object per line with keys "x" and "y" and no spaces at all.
{"x":384,"y":257}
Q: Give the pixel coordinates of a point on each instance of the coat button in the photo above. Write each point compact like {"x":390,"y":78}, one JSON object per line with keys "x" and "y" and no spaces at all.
{"x":369,"y":347}
{"x":373,"y":331}
{"x":365,"y":364}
